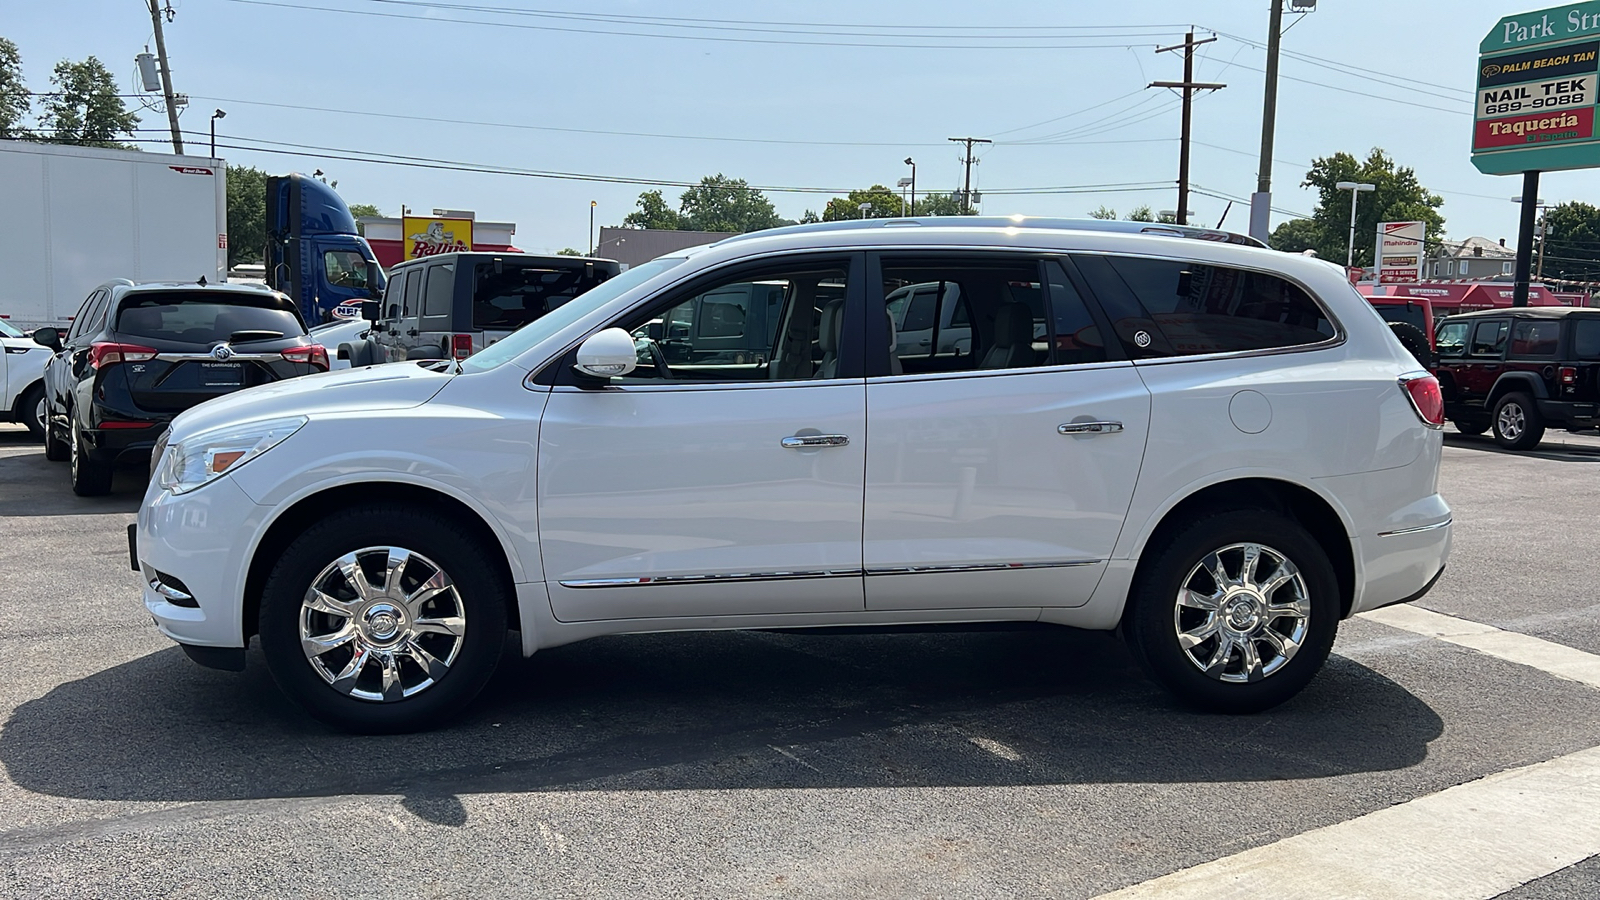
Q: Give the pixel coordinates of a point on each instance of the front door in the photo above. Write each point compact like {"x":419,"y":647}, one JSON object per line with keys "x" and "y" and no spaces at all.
{"x":710,"y":482}
{"x":999,"y":477}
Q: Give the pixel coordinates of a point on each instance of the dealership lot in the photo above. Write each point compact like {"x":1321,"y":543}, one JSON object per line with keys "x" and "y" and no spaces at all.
{"x":961,"y":765}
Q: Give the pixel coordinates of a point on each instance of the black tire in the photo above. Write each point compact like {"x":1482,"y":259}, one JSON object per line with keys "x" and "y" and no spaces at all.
{"x":1153,"y":616}
{"x":481,"y":594}
{"x":55,"y":449}
{"x":28,"y":411}
{"x":1470,"y":426}
{"x":90,"y":477}
{"x":1415,"y":340}
{"x":1517,"y":423}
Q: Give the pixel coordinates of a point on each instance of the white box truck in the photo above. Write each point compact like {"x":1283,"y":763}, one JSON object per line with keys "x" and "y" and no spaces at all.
{"x":76,"y":217}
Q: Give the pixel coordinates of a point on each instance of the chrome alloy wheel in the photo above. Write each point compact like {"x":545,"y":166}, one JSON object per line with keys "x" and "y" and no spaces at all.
{"x":382,"y":623}
{"x":41,"y":414}
{"x":1242,"y":612}
{"x":1512,"y":421}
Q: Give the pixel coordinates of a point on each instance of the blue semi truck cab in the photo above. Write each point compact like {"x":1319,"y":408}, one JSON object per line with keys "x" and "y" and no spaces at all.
{"x":314,"y":253}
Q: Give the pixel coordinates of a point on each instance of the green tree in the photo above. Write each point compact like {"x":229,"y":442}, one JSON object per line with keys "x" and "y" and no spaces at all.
{"x":360,"y":211}
{"x":247,"y":214}
{"x":84,"y":109}
{"x":939,"y":205}
{"x":1572,"y":242}
{"x":885,"y":204}
{"x":653,"y":212}
{"x":720,"y":203}
{"x":14,"y":97}
{"x":568,"y":251}
{"x":1397,"y":197}
{"x":1102,"y":212}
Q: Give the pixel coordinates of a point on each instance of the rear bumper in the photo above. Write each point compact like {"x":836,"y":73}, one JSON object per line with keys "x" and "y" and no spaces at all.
{"x":1570,"y":413}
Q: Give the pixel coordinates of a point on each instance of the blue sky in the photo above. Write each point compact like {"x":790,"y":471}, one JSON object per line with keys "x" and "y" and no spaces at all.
{"x":835,"y":99}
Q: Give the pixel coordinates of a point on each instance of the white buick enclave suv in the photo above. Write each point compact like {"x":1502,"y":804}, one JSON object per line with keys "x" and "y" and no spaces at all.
{"x":1216,"y":449}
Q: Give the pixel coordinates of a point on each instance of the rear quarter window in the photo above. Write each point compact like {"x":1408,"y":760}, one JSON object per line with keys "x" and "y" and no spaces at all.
{"x":1586,"y":339}
{"x":202,"y":318}
{"x":1164,"y":307}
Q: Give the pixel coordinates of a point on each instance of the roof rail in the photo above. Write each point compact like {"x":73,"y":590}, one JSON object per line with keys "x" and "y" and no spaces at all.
{"x":1192,"y":232}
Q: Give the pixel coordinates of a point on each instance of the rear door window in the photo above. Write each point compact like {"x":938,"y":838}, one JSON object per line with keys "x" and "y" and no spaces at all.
{"x":1489,"y":338}
{"x":965,"y":311}
{"x":85,"y":315}
{"x":1165,"y":307}
{"x":1586,"y":339}
{"x":439,"y":290}
{"x":203,"y":319}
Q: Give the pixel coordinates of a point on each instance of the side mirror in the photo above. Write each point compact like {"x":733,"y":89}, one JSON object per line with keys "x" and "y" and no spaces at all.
{"x":48,"y":337}
{"x":369,"y":310}
{"x":607,"y":354}
{"x":373,"y":291}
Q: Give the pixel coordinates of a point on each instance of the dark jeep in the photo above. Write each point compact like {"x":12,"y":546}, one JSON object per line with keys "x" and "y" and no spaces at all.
{"x":1517,"y":371}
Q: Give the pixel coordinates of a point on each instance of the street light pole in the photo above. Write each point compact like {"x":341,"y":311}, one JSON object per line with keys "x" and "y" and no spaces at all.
{"x":913,"y":185}
{"x":219,"y":114}
{"x":1355,"y":188}
{"x":592,"y":248}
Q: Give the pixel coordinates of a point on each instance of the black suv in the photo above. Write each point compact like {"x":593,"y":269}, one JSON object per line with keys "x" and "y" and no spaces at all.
{"x":454,"y":304}
{"x":1518,"y":371}
{"x":137,"y":355}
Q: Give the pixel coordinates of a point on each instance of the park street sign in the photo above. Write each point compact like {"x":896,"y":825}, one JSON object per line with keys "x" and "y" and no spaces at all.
{"x":1537,"y":75}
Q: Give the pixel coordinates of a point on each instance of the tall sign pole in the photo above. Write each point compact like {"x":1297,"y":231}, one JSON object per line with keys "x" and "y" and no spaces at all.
{"x":1187,"y":87}
{"x":1261,"y":200}
{"x":1537,"y":85}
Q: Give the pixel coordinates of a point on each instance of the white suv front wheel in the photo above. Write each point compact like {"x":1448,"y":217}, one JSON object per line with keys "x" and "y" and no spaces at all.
{"x":383,"y":619}
{"x":1236,"y":612}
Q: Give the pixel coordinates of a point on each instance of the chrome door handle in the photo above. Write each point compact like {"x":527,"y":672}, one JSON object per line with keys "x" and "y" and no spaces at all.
{"x":1089,"y":428}
{"x":801,"y":441}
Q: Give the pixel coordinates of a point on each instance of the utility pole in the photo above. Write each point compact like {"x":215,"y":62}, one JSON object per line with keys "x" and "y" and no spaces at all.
{"x":1188,"y":86}
{"x":166,"y":76}
{"x":1261,"y":200}
{"x":966,"y":190}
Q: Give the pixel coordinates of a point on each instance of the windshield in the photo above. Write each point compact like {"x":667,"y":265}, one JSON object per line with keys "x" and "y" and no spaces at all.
{"x":8,"y":331}
{"x":531,"y":334}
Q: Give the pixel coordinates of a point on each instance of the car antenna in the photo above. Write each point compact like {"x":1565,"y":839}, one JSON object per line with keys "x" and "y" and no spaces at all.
{"x":202,"y":281}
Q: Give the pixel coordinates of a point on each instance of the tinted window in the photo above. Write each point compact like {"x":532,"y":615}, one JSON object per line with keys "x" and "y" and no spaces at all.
{"x":391,"y":295}
{"x":81,"y":320}
{"x":1396,"y":312}
{"x":520,"y":292}
{"x":1077,"y":337}
{"x":1451,"y":339}
{"x":778,"y":327}
{"x":1489,"y":338}
{"x":1586,"y":339}
{"x":202,"y":318}
{"x":966,"y":312}
{"x":440,"y":290}
{"x":412,"y":299}
{"x":1535,"y":338}
{"x":1172,"y":308}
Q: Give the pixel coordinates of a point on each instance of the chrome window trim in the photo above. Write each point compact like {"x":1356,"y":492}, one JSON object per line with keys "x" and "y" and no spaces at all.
{"x":1339,"y":338}
{"x":937,"y":568}
{"x":1417,"y":530}
{"x":1020,"y":370}
{"x":677,"y":386}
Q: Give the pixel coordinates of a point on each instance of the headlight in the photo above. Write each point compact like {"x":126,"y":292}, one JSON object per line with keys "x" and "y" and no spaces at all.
{"x":202,"y":457}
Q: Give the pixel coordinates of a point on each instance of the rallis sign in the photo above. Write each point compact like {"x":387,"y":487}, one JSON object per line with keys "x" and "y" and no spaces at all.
{"x":1536,"y":85}
{"x":430,"y":237}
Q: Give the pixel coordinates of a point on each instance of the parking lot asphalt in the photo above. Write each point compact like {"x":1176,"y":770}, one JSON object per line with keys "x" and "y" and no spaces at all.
{"x":1032,"y":764}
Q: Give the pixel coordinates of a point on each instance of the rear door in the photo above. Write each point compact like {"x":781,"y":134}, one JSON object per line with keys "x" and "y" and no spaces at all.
{"x":438,"y":298}
{"x":204,"y":345}
{"x":998,"y":477}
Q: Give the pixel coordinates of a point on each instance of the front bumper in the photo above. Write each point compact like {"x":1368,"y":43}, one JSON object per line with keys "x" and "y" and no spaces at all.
{"x":202,"y":538}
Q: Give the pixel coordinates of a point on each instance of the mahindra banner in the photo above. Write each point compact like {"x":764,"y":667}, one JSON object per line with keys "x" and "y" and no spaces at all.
{"x":1399,"y":255}
{"x":423,"y":236}
{"x":1536,"y":87}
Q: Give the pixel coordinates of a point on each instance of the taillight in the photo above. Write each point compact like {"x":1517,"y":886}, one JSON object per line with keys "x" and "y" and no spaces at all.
{"x":315,"y":354}
{"x":1568,"y":374}
{"x":462,"y":345}
{"x":1426,"y":398}
{"x":107,"y":353}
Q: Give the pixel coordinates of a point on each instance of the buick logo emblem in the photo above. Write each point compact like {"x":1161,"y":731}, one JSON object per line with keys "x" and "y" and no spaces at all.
{"x":1141,"y":338}
{"x":222,"y":351}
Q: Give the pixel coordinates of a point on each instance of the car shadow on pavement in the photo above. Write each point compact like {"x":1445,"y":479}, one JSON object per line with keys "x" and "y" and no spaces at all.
{"x":724,"y":710}
{"x":1552,"y":449}
{"x":31,"y":485}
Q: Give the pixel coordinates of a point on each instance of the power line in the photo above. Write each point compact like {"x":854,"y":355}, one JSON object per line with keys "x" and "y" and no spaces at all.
{"x":1346,"y":68}
{"x":879,"y":44}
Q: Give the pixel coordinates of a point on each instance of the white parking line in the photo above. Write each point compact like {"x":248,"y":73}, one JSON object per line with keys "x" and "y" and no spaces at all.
{"x":1547,"y":656}
{"x":1476,"y":840}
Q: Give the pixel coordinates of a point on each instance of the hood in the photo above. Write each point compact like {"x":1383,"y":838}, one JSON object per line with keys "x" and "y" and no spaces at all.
{"x":393,"y":386}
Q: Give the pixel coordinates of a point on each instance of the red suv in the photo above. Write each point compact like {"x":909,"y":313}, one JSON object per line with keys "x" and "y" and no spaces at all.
{"x":1519,"y":370}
